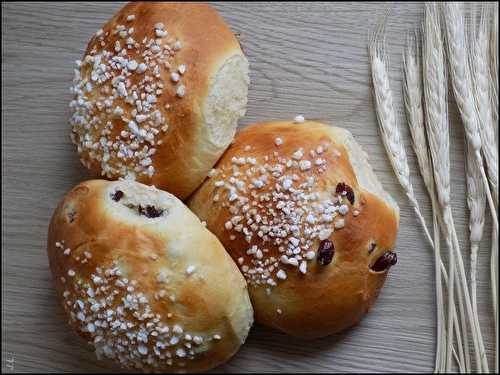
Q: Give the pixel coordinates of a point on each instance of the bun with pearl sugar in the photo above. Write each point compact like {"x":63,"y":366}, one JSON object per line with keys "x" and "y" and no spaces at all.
{"x":298,"y":207}
{"x":143,"y":281}
{"x":158,"y":94}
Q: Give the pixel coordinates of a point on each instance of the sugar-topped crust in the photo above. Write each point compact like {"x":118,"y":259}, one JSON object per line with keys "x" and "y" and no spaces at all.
{"x":142,"y":90}
{"x":287,"y":205}
{"x":143,"y":281}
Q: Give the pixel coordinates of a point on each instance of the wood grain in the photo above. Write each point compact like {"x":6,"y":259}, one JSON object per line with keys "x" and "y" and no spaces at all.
{"x":306,"y":58}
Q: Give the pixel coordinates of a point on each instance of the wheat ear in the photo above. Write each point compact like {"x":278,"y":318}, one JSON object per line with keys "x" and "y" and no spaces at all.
{"x":481,"y":79}
{"x":436,"y":116}
{"x":462,"y":85}
{"x":493,"y":57}
{"x":388,"y":125}
{"x":412,"y":94}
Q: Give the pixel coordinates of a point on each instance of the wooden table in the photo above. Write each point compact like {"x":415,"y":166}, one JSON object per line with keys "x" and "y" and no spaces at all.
{"x":308,"y":59}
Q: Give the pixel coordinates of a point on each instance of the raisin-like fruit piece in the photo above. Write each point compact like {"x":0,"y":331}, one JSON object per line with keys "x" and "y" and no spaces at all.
{"x":117,"y":195}
{"x":387,"y":260}
{"x":349,"y":192}
{"x":326,"y":251}
{"x":150,"y":211}
{"x":153,"y":211}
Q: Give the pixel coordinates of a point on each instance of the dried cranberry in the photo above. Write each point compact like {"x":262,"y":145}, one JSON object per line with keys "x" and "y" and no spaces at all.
{"x":340,"y":188}
{"x":150,"y":211}
{"x":326,"y":251}
{"x":387,"y":260}
{"x":349,"y":192}
{"x":117,"y":195}
{"x":153,"y":212}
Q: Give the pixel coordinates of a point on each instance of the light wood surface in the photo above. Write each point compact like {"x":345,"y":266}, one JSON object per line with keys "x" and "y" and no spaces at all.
{"x":306,"y":58}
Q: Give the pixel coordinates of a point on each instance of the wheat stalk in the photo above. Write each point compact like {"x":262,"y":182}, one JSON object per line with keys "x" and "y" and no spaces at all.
{"x":388,"y":125}
{"x":442,"y":271}
{"x":436,"y":115}
{"x":483,"y":84}
{"x":479,"y":60}
{"x":494,"y":289}
{"x":435,"y":101}
{"x":412,"y":94}
{"x":462,"y":88}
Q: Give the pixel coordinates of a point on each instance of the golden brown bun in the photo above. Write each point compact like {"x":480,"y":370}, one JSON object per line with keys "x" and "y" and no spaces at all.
{"x":314,"y":300}
{"x":198,"y":54}
{"x":152,"y":278}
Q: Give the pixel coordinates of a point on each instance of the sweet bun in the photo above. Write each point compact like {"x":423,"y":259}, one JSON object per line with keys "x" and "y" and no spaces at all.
{"x":158,"y":94}
{"x":143,"y":281}
{"x":300,"y":210}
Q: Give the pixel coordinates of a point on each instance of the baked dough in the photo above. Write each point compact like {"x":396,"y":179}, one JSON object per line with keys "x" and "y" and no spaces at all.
{"x":143,"y":281}
{"x":300,"y":210}
{"x":157,"y":95}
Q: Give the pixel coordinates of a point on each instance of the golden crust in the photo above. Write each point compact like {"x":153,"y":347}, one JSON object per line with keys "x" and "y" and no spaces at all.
{"x":206,"y":43}
{"x":153,"y":255}
{"x":326,"y":299}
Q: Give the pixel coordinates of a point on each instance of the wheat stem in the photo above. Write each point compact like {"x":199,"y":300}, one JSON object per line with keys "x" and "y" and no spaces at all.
{"x":440,"y":342}
{"x":439,"y":297}
{"x":462,"y":344}
{"x":474,"y":323}
{"x":440,"y":273}
{"x":494,"y":289}
{"x":460,"y":357}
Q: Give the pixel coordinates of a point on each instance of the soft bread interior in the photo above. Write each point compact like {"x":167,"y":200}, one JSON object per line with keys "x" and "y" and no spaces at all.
{"x":364,"y":173}
{"x":226,"y":101}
